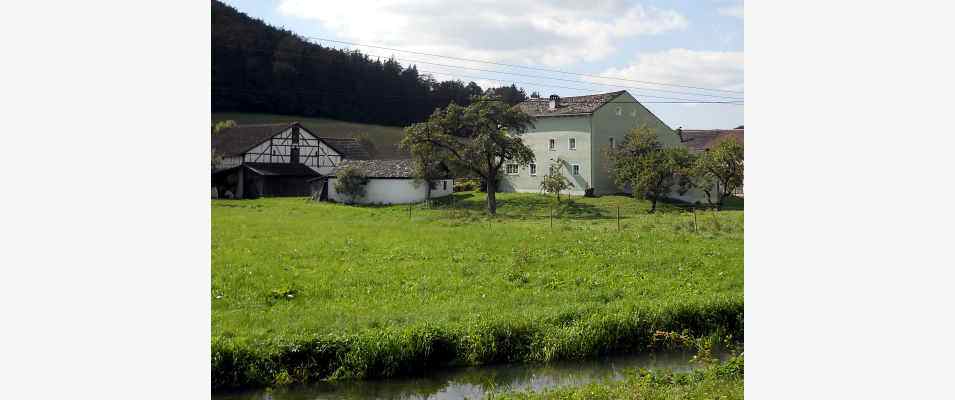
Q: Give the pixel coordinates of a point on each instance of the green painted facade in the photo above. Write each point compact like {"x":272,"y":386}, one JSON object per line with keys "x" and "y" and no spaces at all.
{"x":592,"y":133}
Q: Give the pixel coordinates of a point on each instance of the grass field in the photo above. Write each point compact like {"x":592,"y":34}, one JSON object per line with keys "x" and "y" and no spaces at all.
{"x":304,"y":291}
{"x":386,"y":138}
{"x":722,"y":381}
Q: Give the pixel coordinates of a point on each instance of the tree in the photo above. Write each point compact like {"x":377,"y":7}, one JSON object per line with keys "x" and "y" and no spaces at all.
{"x":555,"y":181}
{"x":651,"y":170}
{"x":719,"y":171}
{"x":351,"y":183}
{"x":427,"y":159}
{"x":479,"y":138}
{"x":216,"y":128}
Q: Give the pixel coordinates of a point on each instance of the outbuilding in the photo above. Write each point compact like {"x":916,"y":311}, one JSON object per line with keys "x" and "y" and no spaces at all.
{"x":389,"y":182}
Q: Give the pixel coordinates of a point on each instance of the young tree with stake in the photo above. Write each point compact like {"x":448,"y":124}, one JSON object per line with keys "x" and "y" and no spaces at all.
{"x":555,"y":181}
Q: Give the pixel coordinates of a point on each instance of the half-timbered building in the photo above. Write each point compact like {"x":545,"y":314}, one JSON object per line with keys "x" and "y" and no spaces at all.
{"x":275,"y":159}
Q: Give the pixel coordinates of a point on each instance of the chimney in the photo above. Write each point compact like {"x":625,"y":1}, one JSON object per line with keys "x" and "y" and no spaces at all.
{"x":553,"y":102}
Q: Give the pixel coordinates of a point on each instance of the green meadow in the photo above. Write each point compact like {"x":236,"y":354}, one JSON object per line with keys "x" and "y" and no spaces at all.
{"x":303,"y":291}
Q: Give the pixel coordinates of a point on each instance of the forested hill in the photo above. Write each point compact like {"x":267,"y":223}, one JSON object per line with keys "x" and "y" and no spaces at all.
{"x":262,"y":69}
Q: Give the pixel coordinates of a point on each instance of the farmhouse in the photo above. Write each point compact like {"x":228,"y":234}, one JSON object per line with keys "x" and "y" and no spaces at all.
{"x":576,"y":130}
{"x":275,"y":159}
{"x":389,"y":182}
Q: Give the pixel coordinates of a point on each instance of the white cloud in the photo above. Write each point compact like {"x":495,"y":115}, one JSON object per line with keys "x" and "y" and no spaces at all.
{"x":735,"y":10}
{"x":530,"y":31}
{"x":709,"y":69}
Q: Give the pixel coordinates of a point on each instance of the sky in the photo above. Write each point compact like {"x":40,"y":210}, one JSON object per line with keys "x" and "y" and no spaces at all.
{"x":688,"y":43}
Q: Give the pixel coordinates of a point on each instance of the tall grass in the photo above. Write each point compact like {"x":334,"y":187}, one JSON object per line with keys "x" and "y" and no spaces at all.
{"x":305,"y":291}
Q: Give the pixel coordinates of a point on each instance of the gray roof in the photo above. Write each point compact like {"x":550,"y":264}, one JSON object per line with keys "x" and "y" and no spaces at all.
{"x":241,"y":138}
{"x":702,"y":140}
{"x":380,"y":168}
{"x":349,"y":147}
{"x":389,"y":169}
{"x":574,"y":105}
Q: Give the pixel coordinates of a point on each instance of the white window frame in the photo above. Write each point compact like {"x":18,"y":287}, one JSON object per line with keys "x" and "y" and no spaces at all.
{"x":575,"y":169}
{"x":507,"y":167}
{"x":572,"y":144}
{"x":532,"y":168}
{"x":633,"y":113}
{"x":552,"y":144}
{"x":619,"y":111}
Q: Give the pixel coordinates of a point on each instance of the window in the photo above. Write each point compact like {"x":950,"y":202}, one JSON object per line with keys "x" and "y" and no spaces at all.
{"x":611,"y":143}
{"x":295,"y":135}
{"x":553,"y":144}
{"x":575,"y":169}
{"x":573,"y":144}
{"x":533,"y":168}
{"x":619,"y":111}
{"x":444,"y":185}
{"x":633,"y":113}
{"x":510,"y":169}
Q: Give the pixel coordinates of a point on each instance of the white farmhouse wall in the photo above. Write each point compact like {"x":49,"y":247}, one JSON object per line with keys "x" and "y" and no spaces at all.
{"x":393,"y":191}
{"x":323,"y":158}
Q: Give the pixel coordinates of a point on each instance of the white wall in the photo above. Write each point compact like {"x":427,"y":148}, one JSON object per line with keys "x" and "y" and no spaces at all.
{"x":393,"y":191}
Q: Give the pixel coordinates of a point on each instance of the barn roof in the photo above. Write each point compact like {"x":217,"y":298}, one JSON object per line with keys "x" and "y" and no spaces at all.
{"x":574,"y":105}
{"x":349,"y":147}
{"x":702,"y":140}
{"x":241,"y":138}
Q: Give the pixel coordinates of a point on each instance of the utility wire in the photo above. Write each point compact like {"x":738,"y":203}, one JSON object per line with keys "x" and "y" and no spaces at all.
{"x":518,"y":66}
{"x":556,"y":86}
{"x":299,"y":55}
{"x":403,"y":98}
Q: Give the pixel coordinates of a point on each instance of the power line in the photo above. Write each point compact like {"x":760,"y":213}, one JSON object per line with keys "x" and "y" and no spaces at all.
{"x":403,"y":98}
{"x":553,"y":86}
{"x":558,"y":79}
{"x":298,"y":54}
{"x":518,"y":66}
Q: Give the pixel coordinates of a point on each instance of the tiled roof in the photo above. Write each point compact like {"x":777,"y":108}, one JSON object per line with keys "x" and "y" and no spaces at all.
{"x":380,"y":168}
{"x":241,"y":138}
{"x":349,"y":147}
{"x":540,"y":107}
{"x":701,"y":140}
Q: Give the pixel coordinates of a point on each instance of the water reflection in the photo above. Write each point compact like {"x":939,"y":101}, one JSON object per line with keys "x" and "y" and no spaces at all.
{"x":473,"y":382}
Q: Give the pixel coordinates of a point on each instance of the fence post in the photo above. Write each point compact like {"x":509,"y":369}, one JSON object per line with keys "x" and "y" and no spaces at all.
{"x":409,"y":210}
{"x":552,"y":217}
{"x":696,"y":228}
{"x":618,"y":217}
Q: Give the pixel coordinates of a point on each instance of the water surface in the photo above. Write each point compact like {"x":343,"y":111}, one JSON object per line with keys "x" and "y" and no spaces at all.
{"x":472,"y":382}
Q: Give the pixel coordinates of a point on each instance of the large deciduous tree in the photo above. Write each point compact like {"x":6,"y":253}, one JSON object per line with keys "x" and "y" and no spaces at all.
{"x":718,"y":172}
{"x":479,"y":138}
{"x":651,"y":170}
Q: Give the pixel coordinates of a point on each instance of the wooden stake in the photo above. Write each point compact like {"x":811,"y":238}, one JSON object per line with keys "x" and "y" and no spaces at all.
{"x":618,"y":217}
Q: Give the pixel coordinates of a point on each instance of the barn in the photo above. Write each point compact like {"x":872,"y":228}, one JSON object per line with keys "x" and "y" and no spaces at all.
{"x":389,"y":182}
{"x":275,"y":159}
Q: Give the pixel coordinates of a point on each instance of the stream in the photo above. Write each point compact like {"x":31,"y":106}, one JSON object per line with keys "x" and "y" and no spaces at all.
{"x":473,"y":382}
